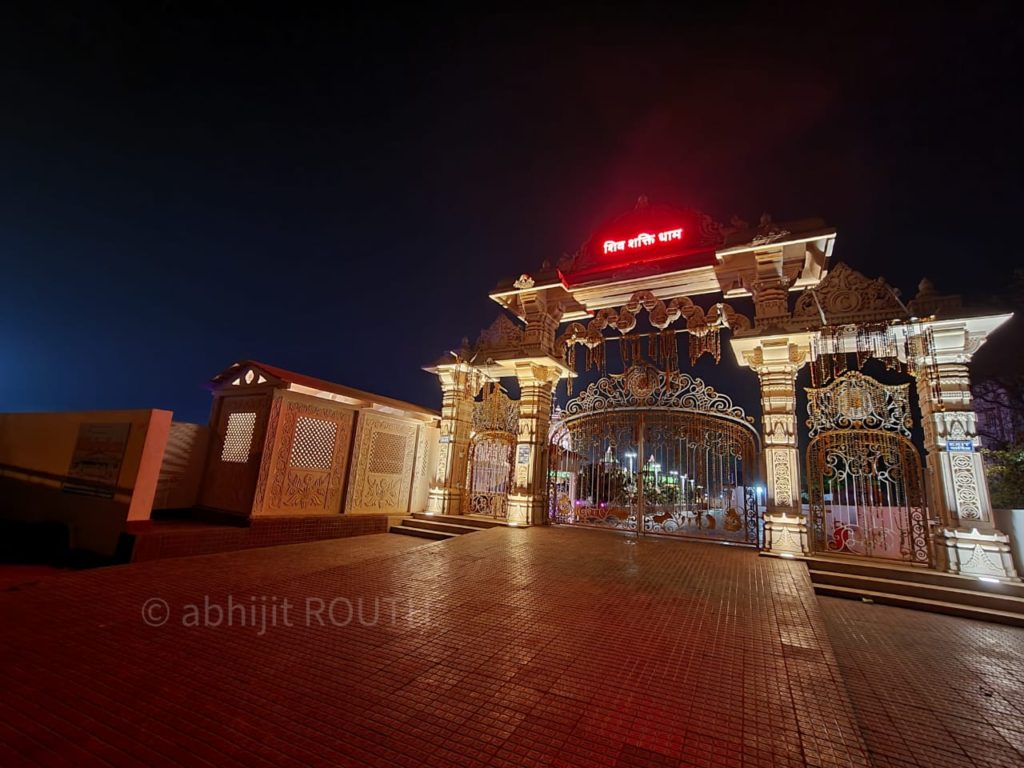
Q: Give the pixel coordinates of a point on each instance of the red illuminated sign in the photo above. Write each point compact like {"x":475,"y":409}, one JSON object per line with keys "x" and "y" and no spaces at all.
{"x":642,"y":240}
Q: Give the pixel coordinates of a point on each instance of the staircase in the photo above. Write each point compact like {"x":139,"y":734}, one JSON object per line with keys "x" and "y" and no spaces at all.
{"x":918,"y":588}
{"x":442,"y":527}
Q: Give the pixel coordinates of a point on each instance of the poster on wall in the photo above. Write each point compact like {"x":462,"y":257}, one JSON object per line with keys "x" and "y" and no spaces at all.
{"x":97,"y":458}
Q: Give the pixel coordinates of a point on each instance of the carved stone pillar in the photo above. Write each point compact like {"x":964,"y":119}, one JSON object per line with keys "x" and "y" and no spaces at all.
{"x":527,"y":502}
{"x":460,"y":383}
{"x":967,"y":541}
{"x":776,"y":361}
{"x":542,"y":318}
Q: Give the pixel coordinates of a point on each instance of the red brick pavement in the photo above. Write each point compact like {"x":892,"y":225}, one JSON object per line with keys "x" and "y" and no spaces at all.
{"x":508,"y":648}
{"x":929,"y":690}
{"x":154,"y":540}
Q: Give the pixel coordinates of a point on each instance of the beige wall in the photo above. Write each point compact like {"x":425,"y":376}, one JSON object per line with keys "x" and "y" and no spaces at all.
{"x":36,"y":451}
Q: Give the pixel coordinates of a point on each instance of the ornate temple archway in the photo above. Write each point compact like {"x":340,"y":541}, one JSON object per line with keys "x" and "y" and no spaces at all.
{"x":658,"y":276}
{"x":864,"y":476}
{"x":656,"y":452}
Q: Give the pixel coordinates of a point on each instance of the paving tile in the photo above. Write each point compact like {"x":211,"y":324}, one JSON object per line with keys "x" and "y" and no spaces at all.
{"x":928,"y":690}
{"x":505,"y":647}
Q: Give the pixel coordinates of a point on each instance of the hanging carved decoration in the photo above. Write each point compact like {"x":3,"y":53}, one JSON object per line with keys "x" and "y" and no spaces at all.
{"x":856,"y":401}
{"x":704,"y":329}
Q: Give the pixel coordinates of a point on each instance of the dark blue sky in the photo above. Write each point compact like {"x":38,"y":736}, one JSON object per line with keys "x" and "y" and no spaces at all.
{"x":336,"y":193}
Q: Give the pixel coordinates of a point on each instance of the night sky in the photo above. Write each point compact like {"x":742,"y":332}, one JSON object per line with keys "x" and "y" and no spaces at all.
{"x":336,"y":194}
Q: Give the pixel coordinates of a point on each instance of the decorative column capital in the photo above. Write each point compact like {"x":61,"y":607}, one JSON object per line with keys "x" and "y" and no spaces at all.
{"x":784,"y":353}
{"x":531,"y":372}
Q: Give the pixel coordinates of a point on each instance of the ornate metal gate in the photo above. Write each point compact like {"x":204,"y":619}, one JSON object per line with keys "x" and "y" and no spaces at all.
{"x":864,"y":476}
{"x":656,"y":452}
{"x":495,"y":419}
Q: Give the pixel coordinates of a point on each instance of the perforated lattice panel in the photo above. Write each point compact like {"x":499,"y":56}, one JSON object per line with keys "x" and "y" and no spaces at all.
{"x":238,"y":437}
{"x":313,"y":446}
{"x":387,"y":453}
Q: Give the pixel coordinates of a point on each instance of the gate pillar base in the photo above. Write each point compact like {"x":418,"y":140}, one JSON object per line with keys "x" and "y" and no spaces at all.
{"x":785,"y":534}
{"x":970,"y":552}
{"x":445,"y":501}
{"x":526,"y":510}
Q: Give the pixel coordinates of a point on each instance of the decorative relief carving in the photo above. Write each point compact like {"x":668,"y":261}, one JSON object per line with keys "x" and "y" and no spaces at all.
{"x":524,"y":282}
{"x":965,"y":486}
{"x":846,"y":296}
{"x":310,"y":458}
{"x":782,"y":475}
{"x":382,"y":480}
{"x":503,"y":337}
{"x":856,"y":401}
{"x":779,"y":429}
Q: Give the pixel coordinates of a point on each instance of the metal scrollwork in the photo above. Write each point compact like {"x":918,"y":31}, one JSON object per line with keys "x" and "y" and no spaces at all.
{"x":856,"y":401}
{"x":644,"y":386}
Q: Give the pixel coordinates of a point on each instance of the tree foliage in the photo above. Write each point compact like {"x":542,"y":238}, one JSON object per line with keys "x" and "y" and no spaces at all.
{"x":1005,"y":471}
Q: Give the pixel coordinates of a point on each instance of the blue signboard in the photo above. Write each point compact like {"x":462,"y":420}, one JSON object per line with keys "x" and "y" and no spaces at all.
{"x":960,"y":446}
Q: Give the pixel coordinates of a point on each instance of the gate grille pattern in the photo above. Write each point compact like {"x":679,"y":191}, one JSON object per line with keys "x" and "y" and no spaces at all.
{"x":656,"y":452}
{"x":865,"y":487}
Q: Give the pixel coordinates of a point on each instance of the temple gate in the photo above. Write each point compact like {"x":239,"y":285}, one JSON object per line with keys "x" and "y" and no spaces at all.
{"x":631,"y":287}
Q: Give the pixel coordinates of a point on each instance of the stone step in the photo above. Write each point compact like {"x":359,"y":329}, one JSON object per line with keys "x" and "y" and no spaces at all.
{"x":917,"y":574}
{"x":921,"y":604}
{"x":473,"y":522}
{"x":440,"y":525}
{"x":962,"y":594}
{"x":423,"y":533}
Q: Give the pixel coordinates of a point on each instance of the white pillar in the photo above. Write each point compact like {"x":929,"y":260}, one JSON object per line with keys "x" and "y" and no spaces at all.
{"x":776,"y":361}
{"x":967,"y":541}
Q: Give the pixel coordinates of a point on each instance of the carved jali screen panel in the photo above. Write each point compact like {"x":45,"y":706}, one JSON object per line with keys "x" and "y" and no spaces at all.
{"x":309,"y":457}
{"x":383,"y":465}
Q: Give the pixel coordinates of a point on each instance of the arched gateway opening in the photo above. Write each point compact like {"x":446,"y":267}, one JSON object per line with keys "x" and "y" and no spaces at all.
{"x":656,"y":452}
{"x":864,"y":477}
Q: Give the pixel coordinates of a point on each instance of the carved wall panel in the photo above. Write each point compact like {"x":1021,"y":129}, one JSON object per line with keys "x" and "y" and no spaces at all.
{"x":382,"y":468}
{"x":782,"y":476}
{"x":426,"y":464}
{"x":965,"y":485}
{"x":308,"y":457}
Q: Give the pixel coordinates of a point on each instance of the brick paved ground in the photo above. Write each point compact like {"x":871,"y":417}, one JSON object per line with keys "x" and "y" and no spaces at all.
{"x":526,"y":647}
{"x":930,"y":690}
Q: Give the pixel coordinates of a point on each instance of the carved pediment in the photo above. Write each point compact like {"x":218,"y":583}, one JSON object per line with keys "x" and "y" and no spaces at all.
{"x":504,"y":338}
{"x":846,"y":296}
